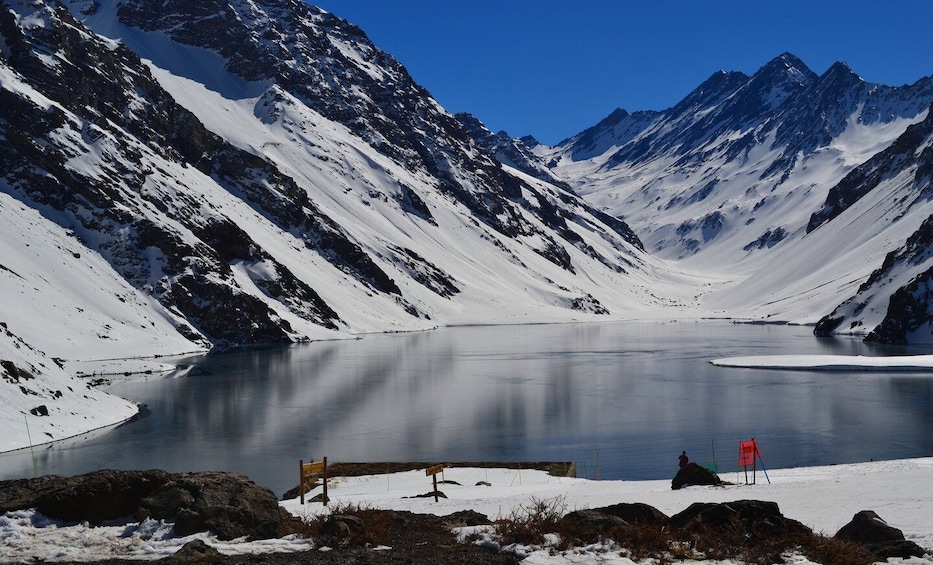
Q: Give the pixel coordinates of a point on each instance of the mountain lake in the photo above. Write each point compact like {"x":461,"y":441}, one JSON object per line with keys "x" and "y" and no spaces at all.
{"x":622,"y":400}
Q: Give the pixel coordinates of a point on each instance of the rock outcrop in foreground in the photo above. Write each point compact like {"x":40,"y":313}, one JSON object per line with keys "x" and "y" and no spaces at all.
{"x":228,"y":504}
{"x":232,"y":506}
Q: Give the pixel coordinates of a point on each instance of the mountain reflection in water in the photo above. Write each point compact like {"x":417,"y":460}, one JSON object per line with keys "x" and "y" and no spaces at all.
{"x":630,"y":396}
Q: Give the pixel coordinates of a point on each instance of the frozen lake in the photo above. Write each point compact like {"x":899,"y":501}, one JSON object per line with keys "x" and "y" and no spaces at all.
{"x":622,"y":400}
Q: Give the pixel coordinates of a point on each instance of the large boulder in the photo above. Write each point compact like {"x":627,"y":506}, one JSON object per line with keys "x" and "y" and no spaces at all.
{"x":94,"y":497}
{"x":636,"y":513}
{"x":591,"y":522}
{"x":882,"y":539}
{"x":228,"y":504}
{"x":752,"y":516}
{"x":694,"y":474}
{"x":867,"y":527}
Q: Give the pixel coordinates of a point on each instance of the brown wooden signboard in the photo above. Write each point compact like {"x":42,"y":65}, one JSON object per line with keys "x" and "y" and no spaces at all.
{"x":432,"y":472}
{"x":310,"y":471}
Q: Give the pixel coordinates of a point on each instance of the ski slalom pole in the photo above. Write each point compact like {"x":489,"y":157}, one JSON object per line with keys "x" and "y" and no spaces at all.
{"x":763,"y":465}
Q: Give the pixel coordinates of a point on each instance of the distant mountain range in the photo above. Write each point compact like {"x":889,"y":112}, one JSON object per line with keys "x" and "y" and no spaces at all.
{"x":178,"y":176}
{"x":792,"y":186}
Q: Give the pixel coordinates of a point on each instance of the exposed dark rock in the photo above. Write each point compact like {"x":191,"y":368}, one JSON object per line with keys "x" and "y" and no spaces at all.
{"x":903,"y":153}
{"x":910,"y":308}
{"x":196,"y":551}
{"x":768,"y":239}
{"x":228,"y":504}
{"x":591,"y":522}
{"x":882,"y":539}
{"x":694,"y":474}
{"x":431,"y":494}
{"x":902,"y":549}
{"x":466,"y":518}
{"x":754,"y":517}
{"x":513,"y":152}
{"x":93,"y":497}
{"x":13,"y":374}
{"x":867,"y":527}
{"x":636,"y":513}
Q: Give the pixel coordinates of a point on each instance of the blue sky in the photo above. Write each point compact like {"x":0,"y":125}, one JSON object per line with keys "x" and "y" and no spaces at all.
{"x":553,"y":68}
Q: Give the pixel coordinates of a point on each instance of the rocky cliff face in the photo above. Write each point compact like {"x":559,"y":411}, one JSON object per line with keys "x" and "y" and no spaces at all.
{"x":329,"y":207}
{"x":96,"y":100}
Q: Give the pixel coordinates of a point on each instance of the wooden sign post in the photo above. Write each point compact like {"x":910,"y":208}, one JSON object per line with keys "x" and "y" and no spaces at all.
{"x":308,"y":472}
{"x":432,"y":472}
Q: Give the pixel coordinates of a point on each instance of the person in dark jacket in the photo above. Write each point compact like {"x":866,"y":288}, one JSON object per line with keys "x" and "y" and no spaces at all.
{"x":683,"y":459}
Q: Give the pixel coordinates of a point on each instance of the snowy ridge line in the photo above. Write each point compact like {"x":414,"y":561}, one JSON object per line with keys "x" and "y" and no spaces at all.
{"x":919,"y":363}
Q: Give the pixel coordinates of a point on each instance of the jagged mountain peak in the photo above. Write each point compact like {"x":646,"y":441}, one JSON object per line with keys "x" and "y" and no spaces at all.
{"x":789,"y":64}
{"x":733,"y":174}
{"x":775,"y":82}
{"x":717,"y":87}
{"x":587,"y":136}
{"x":841,"y":73}
{"x":514,"y":152}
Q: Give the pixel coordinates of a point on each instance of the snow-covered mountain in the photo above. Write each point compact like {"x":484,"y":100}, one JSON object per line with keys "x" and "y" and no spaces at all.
{"x":254,"y":172}
{"x":736,"y":178}
{"x":176,"y":176}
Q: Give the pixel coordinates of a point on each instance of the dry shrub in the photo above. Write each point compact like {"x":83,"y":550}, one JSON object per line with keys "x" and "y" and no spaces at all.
{"x":644,"y":541}
{"x":733,"y":541}
{"x":379,"y":524}
{"x":831,"y":551}
{"x":528,"y":523}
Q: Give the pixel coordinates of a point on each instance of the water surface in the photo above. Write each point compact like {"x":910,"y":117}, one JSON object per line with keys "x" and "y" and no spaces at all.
{"x":622,"y":400}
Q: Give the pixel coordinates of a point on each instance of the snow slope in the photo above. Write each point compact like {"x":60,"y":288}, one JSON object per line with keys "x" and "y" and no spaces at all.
{"x":42,"y":403}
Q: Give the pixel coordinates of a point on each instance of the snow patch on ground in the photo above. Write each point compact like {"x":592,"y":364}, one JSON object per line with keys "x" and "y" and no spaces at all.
{"x":823,"y":498}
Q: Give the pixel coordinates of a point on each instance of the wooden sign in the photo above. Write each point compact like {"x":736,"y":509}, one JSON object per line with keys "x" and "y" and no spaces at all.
{"x":307,"y":472}
{"x":314,"y":468}
{"x":434,"y":470}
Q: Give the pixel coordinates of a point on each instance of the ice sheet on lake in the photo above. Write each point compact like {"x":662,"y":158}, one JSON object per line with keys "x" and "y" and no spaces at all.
{"x":830,"y":362}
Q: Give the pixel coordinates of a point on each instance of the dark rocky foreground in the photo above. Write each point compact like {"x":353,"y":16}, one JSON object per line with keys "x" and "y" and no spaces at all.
{"x":232,"y":506}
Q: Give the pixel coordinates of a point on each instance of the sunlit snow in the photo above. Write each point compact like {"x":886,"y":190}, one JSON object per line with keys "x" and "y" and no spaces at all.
{"x":822,"y":498}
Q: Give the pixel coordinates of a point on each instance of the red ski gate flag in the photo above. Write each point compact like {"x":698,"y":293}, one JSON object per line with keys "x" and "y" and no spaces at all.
{"x":747,"y":452}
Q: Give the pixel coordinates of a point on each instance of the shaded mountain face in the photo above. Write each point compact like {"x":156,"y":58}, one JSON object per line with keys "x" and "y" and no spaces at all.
{"x":265,"y":174}
{"x":895,"y":303}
